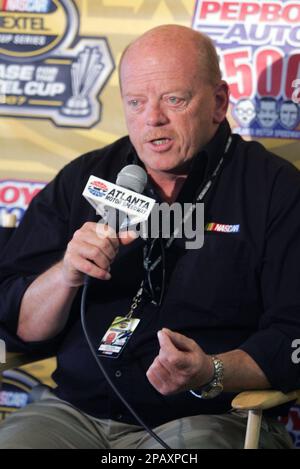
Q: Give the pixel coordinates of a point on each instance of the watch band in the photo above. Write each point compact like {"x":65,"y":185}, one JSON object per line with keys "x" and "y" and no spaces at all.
{"x":215,"y":386}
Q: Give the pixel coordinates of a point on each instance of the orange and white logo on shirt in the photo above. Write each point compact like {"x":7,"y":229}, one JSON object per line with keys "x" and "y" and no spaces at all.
{"x":222,"y":228}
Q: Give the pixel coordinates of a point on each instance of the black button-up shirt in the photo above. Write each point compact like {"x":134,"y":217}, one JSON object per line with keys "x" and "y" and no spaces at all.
{"x":240,"y":290}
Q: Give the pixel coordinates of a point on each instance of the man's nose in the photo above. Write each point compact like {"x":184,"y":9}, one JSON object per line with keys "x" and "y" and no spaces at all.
{"x":155,"y":115}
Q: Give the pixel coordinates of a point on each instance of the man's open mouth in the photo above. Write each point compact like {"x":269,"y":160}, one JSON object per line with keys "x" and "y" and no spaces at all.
{"x":160,"y":141}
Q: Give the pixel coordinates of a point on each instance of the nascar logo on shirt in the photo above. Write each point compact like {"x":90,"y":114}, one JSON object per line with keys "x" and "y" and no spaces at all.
{"x":258,"y":43}
{"x":222,"y":228}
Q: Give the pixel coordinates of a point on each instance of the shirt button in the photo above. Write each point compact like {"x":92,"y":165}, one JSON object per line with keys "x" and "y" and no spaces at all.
{"x":118,"y":374}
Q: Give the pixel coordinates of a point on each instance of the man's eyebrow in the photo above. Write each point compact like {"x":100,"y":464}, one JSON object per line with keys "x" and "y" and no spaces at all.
{"x":182,"y":94}
{"x":134,"y":94}
{"x":177,"y":90}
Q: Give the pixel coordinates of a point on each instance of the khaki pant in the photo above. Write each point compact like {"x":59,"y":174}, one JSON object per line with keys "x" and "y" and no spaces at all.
{"x":54,"y":424}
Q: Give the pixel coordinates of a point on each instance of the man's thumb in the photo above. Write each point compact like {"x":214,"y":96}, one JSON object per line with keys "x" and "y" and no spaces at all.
{"x":127,"y":237}
{"x":181,"y":342}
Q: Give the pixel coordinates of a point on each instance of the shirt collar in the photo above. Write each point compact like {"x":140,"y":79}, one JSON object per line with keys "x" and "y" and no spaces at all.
{"x":215,"y":149}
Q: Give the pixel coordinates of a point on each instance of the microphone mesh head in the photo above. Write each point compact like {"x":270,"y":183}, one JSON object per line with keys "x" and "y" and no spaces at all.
{"x":132,"y":177}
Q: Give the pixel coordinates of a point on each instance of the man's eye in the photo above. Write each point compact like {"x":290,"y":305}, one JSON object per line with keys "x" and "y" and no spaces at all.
{"x":175,"y":101}
{"x":133,"y":103}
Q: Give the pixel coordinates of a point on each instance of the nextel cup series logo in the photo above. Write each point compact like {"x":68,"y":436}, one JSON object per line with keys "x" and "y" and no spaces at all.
{"x":46,"y":69}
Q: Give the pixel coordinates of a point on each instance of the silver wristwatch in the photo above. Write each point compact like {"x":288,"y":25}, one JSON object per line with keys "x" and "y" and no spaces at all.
{"x":215,"y":386}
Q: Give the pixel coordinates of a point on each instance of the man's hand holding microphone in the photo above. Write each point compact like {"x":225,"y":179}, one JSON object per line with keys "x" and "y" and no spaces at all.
{"x":91,"y":251}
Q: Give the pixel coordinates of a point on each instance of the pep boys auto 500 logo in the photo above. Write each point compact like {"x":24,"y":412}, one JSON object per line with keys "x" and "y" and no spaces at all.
{"x":258,"y":43}
{"x":46,"y":70}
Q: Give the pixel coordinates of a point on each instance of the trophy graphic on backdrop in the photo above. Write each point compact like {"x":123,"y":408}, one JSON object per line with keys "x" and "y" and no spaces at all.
{"x":84,"y":73}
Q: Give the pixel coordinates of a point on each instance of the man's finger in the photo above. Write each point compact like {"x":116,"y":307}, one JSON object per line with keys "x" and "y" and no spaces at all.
{"x":105,"y":231}
{"x":166,"y":343}
{"x":158,"y":376}
{"x":181,"y":342}
{"x":169,"y":355}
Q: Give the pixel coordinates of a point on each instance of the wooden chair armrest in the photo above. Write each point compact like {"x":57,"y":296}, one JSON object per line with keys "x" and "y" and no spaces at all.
{"x":264,"y":399}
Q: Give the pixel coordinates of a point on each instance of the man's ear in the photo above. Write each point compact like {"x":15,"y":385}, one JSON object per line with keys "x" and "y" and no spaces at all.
{"x":221,"y":102}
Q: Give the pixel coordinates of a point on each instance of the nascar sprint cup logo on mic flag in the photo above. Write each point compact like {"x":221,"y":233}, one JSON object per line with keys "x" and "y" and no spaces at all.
{"x":46,"y":69}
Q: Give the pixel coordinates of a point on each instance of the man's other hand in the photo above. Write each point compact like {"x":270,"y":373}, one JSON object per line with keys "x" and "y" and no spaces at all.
{"x":180,"y":365}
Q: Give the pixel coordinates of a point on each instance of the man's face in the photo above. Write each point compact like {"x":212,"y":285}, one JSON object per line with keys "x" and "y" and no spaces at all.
{"x":289,"y":115}
{"x":170,"y":110}
{"x":267,"y":114}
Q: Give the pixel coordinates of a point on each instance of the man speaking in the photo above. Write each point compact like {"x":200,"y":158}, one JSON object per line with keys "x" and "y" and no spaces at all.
{"x":204,"y":323}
